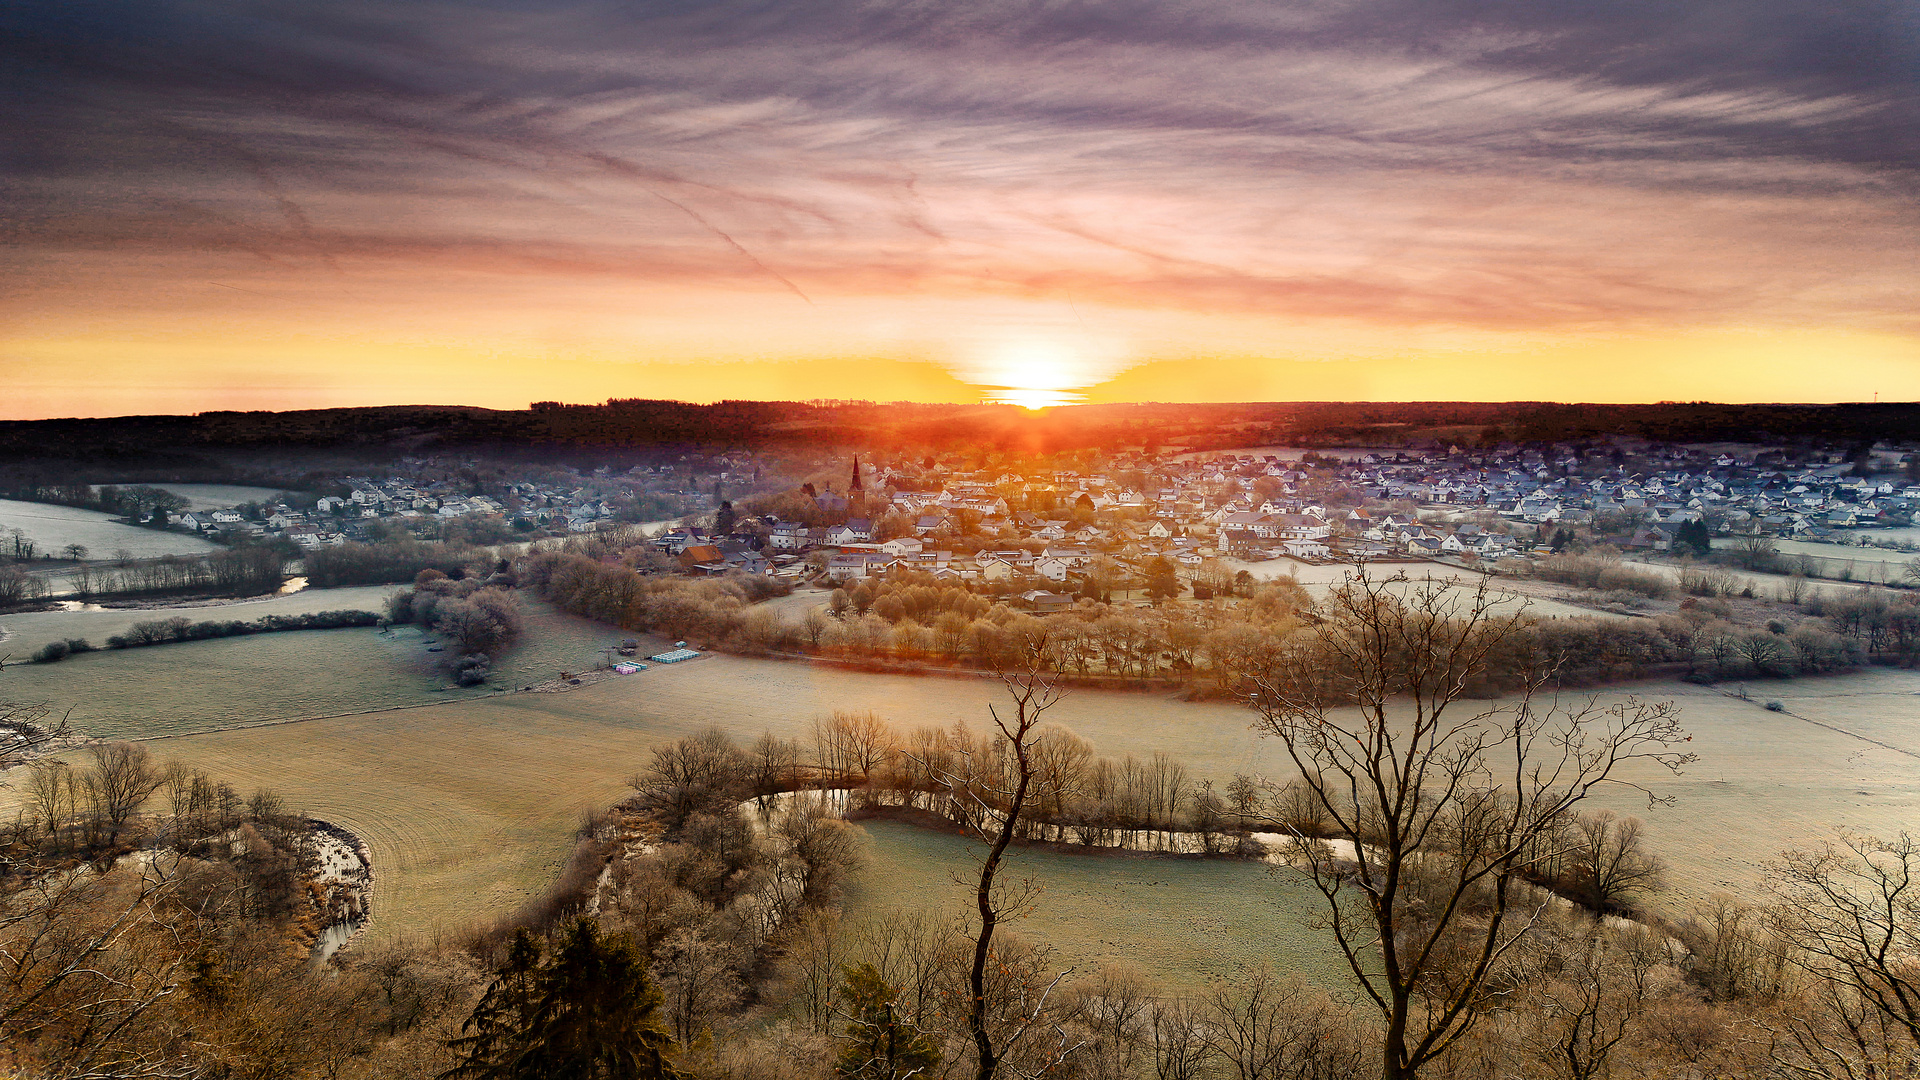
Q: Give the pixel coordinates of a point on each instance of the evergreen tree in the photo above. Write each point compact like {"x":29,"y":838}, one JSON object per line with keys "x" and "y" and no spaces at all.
{"x":587,"y":1013}
{"x":881,"y":1044}
{"x":1162,"y":582}
{"x":1693,"y":536}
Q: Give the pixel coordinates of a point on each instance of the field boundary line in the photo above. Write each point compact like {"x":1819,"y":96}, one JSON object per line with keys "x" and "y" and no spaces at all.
{"x":1836,"y":728}
{"x":285,"y":720}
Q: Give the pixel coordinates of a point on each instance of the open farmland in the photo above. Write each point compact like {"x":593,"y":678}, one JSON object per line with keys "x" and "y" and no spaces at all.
{"x":469,"y":806}
{"x":1841,"y":562}
{"x":97,"y":623}
{"x":1186,"y":923}
{"x":228,"y":682}
{"x":468,"y":810}
{"x":1771,"y":586}
{"x":1319,"y":579}
{"x":52,"y":528}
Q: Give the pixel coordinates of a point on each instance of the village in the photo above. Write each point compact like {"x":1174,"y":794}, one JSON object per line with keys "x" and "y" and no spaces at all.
{"x":1045,"y":535}
{"x":1140,"y":515}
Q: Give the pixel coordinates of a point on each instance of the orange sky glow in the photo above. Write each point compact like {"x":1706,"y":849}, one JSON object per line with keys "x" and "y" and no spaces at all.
{"x":279,"y":205}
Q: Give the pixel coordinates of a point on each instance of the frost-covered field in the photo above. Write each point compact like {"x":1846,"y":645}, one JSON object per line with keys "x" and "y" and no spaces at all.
{"x":1319,"y":579}
{"x":1184,"y":922}
{"x":52,"y":528}
{"x":470,"y":805}
{"x":229,"y":682}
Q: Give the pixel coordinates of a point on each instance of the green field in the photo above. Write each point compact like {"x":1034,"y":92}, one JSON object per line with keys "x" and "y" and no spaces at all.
{"x":1185,"y":923}
{"x":228,"y":682}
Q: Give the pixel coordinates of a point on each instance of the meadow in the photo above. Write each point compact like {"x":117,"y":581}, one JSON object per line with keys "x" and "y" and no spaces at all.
{"x":470,"y":807}
{"x":227,"y":682}
{"x":52,"y":528}
{"x":1185,"y":923}
{"x":1319,"y":579}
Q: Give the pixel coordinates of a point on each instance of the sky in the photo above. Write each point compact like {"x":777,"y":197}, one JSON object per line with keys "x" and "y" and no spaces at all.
{"x":277,"y":204}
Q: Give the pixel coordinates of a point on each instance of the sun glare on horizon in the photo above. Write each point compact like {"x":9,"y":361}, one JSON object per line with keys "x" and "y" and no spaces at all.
{"x":1034,"y":398}
{"x":1035,"y":374}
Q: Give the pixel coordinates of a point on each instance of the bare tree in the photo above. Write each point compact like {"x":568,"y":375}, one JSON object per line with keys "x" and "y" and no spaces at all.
{"x":1587,"y":993}
{"x":51,"y":794}
{"x":773,"y":763}
{"x":1443,"y":810}
{"x":1001,"y":794}
{"x":1180,"y":1047}
{"x":1274,"y":1029}
{"x":124,"y":777}
{"x":1609,"y":860}
{"x":26,"y":729}
{"x":698,"y":980}
{"x":849,"y":746}
{"x":1755,"y":550}
{"x":703,"y":773}
{"x":84,"y":959}
{"x":1852,"y":909}
{"x":1115,"y":1005}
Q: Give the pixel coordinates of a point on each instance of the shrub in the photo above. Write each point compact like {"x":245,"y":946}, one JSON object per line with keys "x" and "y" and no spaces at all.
{"x":51,"y":652}
{"x":80,"y":645}
{"x":472,"y":669}
{"x":162,"y":631}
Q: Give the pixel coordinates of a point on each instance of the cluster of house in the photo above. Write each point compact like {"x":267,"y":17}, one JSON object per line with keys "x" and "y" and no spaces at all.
{"x":1813,"y":502}
{"x":1197,"y":509}
{"x":1186,"y":510}
{"x":337,"y":519}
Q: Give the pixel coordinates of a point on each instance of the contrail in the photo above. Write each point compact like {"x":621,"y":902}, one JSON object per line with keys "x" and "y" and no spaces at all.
{"x":731,"y":242}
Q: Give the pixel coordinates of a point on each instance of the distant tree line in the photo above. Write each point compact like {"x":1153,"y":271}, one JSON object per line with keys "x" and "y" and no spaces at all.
{"x":247,"y":570}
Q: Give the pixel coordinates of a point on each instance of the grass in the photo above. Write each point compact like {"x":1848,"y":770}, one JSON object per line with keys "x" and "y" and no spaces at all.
{"x":1186,"y":923}
{"x":228,"y":682}
{"x":54,"y":527}
{"x":219,"y":496}
{"x":468,"y":811}
{"x":470,"y":807}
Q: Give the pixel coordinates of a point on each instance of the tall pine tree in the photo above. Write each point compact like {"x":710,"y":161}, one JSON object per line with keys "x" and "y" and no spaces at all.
{"x":880,"y":1042}
{"x":586,"y":1013}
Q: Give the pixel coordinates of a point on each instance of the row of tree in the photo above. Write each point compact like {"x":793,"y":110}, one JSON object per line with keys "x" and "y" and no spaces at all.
{"x":391,"y":561}
{"x":246,"y":570}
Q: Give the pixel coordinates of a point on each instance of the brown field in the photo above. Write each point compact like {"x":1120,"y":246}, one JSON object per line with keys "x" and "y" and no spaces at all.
{"x":469,"y":808}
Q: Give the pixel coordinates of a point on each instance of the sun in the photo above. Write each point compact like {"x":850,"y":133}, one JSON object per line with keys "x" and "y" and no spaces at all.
{"x":1034,"y":398}
{"x":1035,"y":374}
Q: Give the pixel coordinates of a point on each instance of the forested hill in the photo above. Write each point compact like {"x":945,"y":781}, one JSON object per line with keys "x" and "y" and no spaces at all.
{"x":745,"y":424}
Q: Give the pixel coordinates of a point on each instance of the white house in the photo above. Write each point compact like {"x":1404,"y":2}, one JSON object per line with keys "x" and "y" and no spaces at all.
{"x":1051,"y":568}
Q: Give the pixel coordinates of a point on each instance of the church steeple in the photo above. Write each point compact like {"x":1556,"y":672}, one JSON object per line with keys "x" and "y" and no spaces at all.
{"x":856,"y":485}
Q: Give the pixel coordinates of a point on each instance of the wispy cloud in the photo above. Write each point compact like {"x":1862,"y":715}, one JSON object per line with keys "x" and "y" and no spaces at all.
{"x":1486,"y":166}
